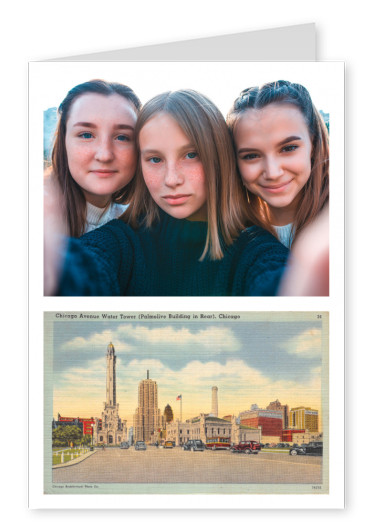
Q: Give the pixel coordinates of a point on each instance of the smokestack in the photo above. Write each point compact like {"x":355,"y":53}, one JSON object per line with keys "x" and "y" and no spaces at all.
{"x":147,"y":375}
{"x":215,"y":401}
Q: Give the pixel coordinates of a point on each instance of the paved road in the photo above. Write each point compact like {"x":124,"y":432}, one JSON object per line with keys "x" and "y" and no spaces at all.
{"x":159,"y":465}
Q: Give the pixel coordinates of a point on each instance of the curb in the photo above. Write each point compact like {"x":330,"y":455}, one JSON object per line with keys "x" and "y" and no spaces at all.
{"x":75,"y":461}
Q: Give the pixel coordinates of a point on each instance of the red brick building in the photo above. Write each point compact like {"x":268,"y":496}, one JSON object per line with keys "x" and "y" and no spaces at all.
{"x":287,"y":434}
{"x":271,"y":422}
{"x":86,"y":423}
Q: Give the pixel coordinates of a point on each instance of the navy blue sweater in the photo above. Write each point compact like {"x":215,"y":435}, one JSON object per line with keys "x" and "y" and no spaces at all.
{"x":164,"y":260}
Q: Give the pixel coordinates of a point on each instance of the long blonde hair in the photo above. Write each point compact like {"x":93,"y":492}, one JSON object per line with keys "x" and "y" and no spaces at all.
{"x":202,"y":122}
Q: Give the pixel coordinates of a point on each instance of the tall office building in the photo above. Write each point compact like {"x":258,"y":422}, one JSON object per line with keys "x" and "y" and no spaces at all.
{"x":147,"y":418}
{"x":277,"y":406}
{"x":304,"y":418}
{"x":110,"y":429}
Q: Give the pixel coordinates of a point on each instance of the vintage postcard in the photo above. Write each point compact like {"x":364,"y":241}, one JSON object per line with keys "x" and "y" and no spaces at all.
{"x":186,"y":403}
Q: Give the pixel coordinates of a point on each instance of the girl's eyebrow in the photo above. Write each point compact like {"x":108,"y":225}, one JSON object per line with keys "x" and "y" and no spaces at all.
{"x":156,"y":150}
{"x":285,"y":141}
{"x":93,"y":126}
{"x":244,"y":150}
{"x":289,"y":139}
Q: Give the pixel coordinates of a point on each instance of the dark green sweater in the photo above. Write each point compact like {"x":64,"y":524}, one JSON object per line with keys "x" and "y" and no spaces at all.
{"x":164,"y":260}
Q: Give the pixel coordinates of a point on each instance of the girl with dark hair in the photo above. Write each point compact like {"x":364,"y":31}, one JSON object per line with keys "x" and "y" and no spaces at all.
{"x":94,"y":156}
{"x":184,"y":232}
{"x":282,"y":151}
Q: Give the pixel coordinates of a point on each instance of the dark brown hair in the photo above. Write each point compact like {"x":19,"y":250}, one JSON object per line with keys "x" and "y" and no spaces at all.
{"x":73,"y":196}
{"x":315,"y":193}
{"x":204,"y":125}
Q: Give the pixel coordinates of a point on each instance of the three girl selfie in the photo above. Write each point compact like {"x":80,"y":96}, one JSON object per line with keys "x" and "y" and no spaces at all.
{"x":166,"y":198}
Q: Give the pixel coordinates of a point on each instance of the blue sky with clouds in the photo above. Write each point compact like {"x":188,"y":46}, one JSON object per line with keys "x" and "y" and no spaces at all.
{"x":250,"y":362}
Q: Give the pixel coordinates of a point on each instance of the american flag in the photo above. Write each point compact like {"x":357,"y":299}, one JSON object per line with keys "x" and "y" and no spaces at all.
{"x":178,"y":397}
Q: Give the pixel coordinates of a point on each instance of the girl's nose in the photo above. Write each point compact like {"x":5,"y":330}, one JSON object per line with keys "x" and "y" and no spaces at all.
{"x":104,"y":151}
{"x":173,"y":176}
{"x":273,"y":168}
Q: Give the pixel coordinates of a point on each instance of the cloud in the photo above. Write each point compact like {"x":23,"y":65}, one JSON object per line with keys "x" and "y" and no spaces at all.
{"x":222,"y":338}
{"x":128,"y":338}
{"x":306,"y":345}
{"x":97,"y":341}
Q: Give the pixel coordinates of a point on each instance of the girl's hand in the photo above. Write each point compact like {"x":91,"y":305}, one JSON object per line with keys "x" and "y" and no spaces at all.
{"x":54,"y":236}
{"x":308,"y":271}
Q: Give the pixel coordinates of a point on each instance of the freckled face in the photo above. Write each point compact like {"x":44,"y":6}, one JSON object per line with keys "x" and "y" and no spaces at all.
{"x":100,"y":145}
{"x":273,"y":149}
{"x":172,"y":169}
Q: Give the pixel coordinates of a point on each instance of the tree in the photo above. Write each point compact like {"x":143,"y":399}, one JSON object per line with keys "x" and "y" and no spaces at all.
{"x":65,"y":435}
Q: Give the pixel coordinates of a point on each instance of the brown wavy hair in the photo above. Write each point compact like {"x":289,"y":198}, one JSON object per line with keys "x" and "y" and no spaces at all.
{"x":315,"y":193}
{"x":74,"y":202}
{"x":204,"y":125}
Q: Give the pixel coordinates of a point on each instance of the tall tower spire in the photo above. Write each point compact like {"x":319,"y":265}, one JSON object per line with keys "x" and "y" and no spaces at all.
{"x":110,"y":429}
{"x":111,"y":376}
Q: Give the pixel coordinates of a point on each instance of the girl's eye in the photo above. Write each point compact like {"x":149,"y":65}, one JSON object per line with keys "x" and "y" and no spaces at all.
{"x":155,"y":160}
{"x":290,"y":148}
{"x":250,"y":156}
{"x":123,"y":138}
{"x":191,"y":155}
{"x":86,"y":136}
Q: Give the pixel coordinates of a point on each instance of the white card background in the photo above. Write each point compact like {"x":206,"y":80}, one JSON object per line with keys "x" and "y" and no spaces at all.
{"x":39,"y":30}
{"x":49,"y":82}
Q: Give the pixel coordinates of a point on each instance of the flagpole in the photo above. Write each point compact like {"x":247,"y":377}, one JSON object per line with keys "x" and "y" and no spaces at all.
{"x":181,"y":408}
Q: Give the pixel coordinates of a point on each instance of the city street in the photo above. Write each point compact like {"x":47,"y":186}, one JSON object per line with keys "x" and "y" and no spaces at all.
{"x":160,"y":465}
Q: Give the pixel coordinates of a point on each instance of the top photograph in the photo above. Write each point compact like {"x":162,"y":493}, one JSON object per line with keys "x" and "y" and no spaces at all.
{"x":186,"y":179}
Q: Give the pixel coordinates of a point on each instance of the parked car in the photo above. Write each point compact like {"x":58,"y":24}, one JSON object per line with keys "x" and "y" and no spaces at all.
{"x":124,"y":445}
{"x":194,"y":445}
{"x":246,"y":447}
{"x":168,"y":444}
{"x":140,"y":445}
{"x":218,"y":443}
{"x":312,"y":448}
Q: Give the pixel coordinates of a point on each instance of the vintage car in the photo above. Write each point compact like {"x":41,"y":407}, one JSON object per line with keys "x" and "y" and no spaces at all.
{"x":194,"y":445}
{"x":312,"y":448}
{"x":124,"y":445}
{"x":168,"y":444}
{"x":246,"y":447}
{"x":218,"y":443}
{"x":140,"y":445}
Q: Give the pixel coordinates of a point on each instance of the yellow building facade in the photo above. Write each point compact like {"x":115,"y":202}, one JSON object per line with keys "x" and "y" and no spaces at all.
{"x":304,"y":418}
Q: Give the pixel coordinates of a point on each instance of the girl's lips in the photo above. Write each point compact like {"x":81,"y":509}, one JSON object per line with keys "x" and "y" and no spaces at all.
{"x":178,"y":199}
{"x":276,"y":189}
{"x":104,"y":173}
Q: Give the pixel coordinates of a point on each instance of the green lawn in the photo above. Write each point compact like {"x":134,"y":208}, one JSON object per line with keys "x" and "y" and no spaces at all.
{"x":69,"y":454}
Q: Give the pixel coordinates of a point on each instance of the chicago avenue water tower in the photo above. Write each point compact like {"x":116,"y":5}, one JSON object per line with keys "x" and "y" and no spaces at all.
{"x":110,"y":430}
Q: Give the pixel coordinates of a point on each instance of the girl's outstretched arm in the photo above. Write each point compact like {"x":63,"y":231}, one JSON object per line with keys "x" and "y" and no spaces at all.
{"x":100,"y":263}
{"x":308,"y":271}
{"x":55,"y":236}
